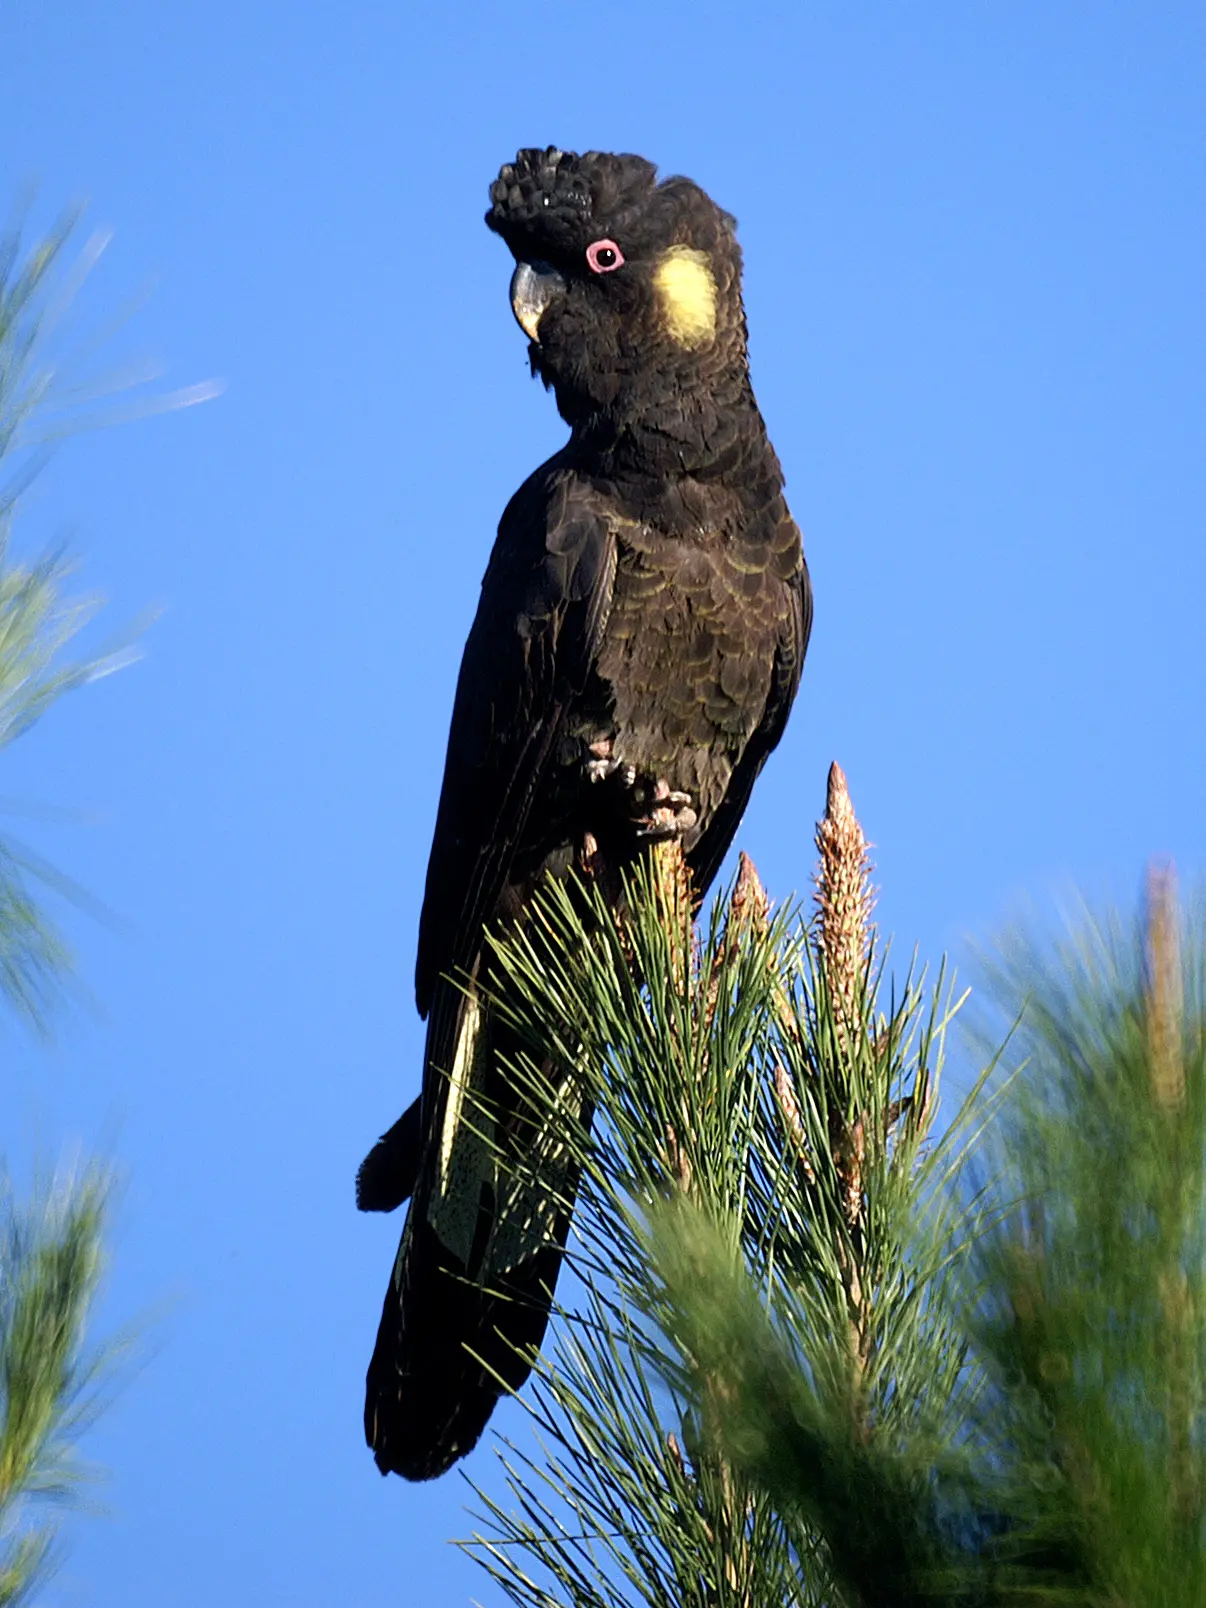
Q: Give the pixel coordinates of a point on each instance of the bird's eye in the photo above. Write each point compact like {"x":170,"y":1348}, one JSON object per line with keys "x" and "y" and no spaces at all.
{"x":604,"y":256}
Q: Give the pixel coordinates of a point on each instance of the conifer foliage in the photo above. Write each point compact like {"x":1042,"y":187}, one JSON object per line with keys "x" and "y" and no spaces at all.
{"x":823,"y":1351}
{"x":50,"y":1244}
{"x":51,"y":1238}
{"x":764,"y":1097}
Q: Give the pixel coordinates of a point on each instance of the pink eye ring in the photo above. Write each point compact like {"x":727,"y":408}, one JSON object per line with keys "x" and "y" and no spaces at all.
{"x":604,"y":256}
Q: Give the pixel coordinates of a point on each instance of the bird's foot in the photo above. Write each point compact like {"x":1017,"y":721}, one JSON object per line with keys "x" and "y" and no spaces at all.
{"x":656,"y":810}
{"x":671,"y":815}
{"x":603,"y":764}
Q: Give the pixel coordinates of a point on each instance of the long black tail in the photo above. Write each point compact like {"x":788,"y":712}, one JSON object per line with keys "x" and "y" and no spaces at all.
{"x":491,"y":1189}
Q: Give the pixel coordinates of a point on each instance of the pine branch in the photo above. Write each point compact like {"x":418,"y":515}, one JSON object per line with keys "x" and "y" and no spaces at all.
{"x":47,"y":394}
{"x":1093,"y":1319}
{"x":742,"y":1074}
{"x":50,"y":1249}
{"x":50,"y":1262}
{"x":815,"y":1362}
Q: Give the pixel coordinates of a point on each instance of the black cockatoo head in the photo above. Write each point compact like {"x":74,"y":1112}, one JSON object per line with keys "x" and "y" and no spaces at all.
{"x":626,"y":288}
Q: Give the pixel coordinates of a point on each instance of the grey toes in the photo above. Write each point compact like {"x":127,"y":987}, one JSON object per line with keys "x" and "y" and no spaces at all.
{"x":664,"y":822}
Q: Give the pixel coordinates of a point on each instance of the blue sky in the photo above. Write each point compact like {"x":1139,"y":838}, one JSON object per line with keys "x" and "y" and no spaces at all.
{"x":976,"y":245}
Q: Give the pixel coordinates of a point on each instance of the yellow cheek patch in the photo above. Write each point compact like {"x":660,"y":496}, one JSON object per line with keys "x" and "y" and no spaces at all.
{"x":686,"y":289}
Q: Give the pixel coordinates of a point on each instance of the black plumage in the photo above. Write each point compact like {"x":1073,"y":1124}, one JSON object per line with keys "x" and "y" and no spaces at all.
{"x":636,"y":650}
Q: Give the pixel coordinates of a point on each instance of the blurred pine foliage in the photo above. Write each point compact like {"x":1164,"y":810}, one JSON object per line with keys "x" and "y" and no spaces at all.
{"x":50,"y":1244}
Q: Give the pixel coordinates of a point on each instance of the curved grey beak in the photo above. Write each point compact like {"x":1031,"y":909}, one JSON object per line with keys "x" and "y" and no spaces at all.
{"x":533,"y":286}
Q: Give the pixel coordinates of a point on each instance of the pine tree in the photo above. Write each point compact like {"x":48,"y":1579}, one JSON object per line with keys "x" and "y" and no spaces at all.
{"x":51,"y":1244}
{"x":821,"y":1355}
{"x":763,"y":1096}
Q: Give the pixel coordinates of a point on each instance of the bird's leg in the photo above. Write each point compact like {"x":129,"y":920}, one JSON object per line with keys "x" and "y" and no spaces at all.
{"x":671,"y":814}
